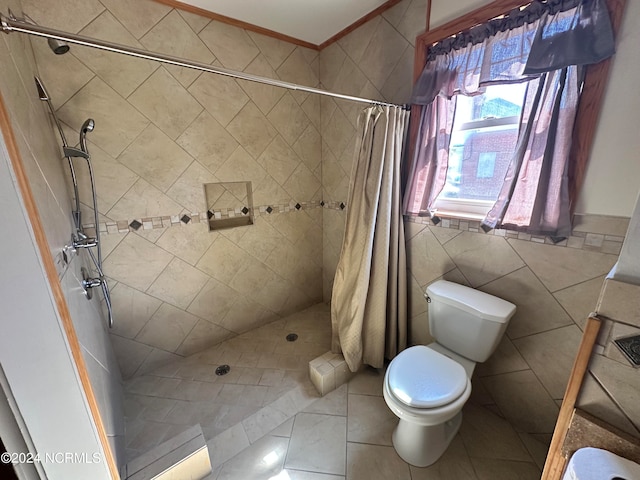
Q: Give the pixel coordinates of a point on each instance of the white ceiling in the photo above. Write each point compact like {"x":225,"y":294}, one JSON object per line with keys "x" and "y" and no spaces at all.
{"x":313,"y":21}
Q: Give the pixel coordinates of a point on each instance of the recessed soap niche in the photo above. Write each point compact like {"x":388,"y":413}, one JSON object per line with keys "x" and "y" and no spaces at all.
{"x":229,"y":204}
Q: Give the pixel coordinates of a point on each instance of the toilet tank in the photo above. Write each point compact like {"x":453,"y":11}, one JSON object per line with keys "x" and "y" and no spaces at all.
{"x":467,"y":321}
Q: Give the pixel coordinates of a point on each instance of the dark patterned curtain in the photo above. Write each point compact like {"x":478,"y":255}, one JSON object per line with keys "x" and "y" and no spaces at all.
{"x":545,"y":45}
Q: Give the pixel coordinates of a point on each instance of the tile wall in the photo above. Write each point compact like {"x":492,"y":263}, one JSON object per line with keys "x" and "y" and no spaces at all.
{"x":610,"y":387}
{"x":554,"y":286}
{"x":40,"y":153}
{"x":161,"y":132}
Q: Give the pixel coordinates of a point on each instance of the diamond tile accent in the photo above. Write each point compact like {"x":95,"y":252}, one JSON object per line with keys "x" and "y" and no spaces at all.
{"x":185,"y":218}
{"x":342,"y":206}
{"x":298,"y":206}
{"x":209,"y":214}
{"x":269,"y":209}
{"x":245,"y":210}
{"x":135,"y":224}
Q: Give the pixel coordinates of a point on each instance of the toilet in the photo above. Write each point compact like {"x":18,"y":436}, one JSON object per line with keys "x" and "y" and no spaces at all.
{"x":427,"y":386}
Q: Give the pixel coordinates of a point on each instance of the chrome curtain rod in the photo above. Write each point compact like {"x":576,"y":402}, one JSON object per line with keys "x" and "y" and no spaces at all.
{"x":11,"y":24}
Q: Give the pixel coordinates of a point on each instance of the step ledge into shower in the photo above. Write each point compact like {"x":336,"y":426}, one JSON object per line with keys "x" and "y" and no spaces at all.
{"x":184,"y":456}
{"x":328,"y":372}
{"x":234,"y":440}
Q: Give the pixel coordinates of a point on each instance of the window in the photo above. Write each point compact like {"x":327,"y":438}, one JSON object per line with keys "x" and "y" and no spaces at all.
{"x":538,"y":48}
{"x":483,"y":140}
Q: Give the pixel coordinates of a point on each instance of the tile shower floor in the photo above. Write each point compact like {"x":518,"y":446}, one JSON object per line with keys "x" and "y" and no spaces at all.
{"x":264,"y":419}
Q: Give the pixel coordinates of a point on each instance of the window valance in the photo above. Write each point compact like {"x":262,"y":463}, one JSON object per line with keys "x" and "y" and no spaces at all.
{"x":542,"y":37}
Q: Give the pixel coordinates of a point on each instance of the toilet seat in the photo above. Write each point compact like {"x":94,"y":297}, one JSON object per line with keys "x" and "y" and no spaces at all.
{"x":422,"y":378}
{"x":422,"y":415}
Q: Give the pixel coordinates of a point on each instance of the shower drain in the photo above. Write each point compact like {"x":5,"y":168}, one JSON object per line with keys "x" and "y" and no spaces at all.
{"x":223,"y":370}
{"x":292,"y":337}
{"x":630,"y":346}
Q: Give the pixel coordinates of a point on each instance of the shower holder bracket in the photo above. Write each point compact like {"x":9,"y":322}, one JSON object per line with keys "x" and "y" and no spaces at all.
{"x":88,"y":283}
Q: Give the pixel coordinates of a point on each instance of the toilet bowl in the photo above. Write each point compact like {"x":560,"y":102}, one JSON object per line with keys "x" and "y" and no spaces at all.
{"x":427,"y":391}
{"x":426,"y":387}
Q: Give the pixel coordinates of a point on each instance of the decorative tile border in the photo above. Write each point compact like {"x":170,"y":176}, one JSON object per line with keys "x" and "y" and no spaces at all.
{"x":331,"y":205}
{"x":151,"y":223}
{"x":594,"y":242}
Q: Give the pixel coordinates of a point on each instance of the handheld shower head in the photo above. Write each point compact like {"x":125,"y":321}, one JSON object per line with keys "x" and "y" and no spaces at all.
{"x":88,"y":126}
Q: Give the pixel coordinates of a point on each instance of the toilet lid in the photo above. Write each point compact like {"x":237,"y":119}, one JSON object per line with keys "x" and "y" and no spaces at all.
{"x":423,"y":378}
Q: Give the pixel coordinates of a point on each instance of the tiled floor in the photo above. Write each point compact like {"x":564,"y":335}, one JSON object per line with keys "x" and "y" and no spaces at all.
{"x":265,"y":421}
{"x":265,"y":369}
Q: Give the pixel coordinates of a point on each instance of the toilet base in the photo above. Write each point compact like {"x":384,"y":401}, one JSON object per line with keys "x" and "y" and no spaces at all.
{"x":423,"y":445}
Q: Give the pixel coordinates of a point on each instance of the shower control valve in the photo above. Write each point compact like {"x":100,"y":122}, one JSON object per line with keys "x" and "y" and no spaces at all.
{"x":88,"y":283}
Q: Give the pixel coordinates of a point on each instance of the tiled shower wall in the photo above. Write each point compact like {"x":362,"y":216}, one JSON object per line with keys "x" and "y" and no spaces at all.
{"x":554,"y":286}
{"x":610,"y":387}
{"x":161,"y":132}
{"x":40,"y":154}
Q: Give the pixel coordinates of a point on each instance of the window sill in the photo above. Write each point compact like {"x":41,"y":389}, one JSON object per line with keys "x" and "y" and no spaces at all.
{"x":460,"y":215}
{"x":462,"y":208}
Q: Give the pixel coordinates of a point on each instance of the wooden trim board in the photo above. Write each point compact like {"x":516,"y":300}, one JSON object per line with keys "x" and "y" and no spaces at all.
{"x":185,"y":7}
{"x":361,"y":21}
{"x":584,"y":130}
{"x":555,"y":464}
{"x":271,"y":33}
{"x":52,"y":277}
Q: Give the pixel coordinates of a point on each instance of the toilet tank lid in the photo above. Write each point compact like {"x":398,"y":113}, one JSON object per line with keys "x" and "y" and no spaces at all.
{"x":475,"y":302}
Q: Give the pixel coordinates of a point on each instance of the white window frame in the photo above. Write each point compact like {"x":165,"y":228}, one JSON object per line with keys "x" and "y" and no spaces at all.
{"x":463,"y":208}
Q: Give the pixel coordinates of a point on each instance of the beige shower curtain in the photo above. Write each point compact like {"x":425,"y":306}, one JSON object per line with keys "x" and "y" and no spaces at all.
{"x":369,"y":299}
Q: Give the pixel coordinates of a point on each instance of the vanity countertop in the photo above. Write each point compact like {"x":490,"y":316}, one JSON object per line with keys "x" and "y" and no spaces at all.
{"x":588,"y":431}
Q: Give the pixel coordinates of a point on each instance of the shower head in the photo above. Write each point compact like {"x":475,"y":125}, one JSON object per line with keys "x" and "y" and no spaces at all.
{"x":58,"y":46}
{"x":88,"y":126}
